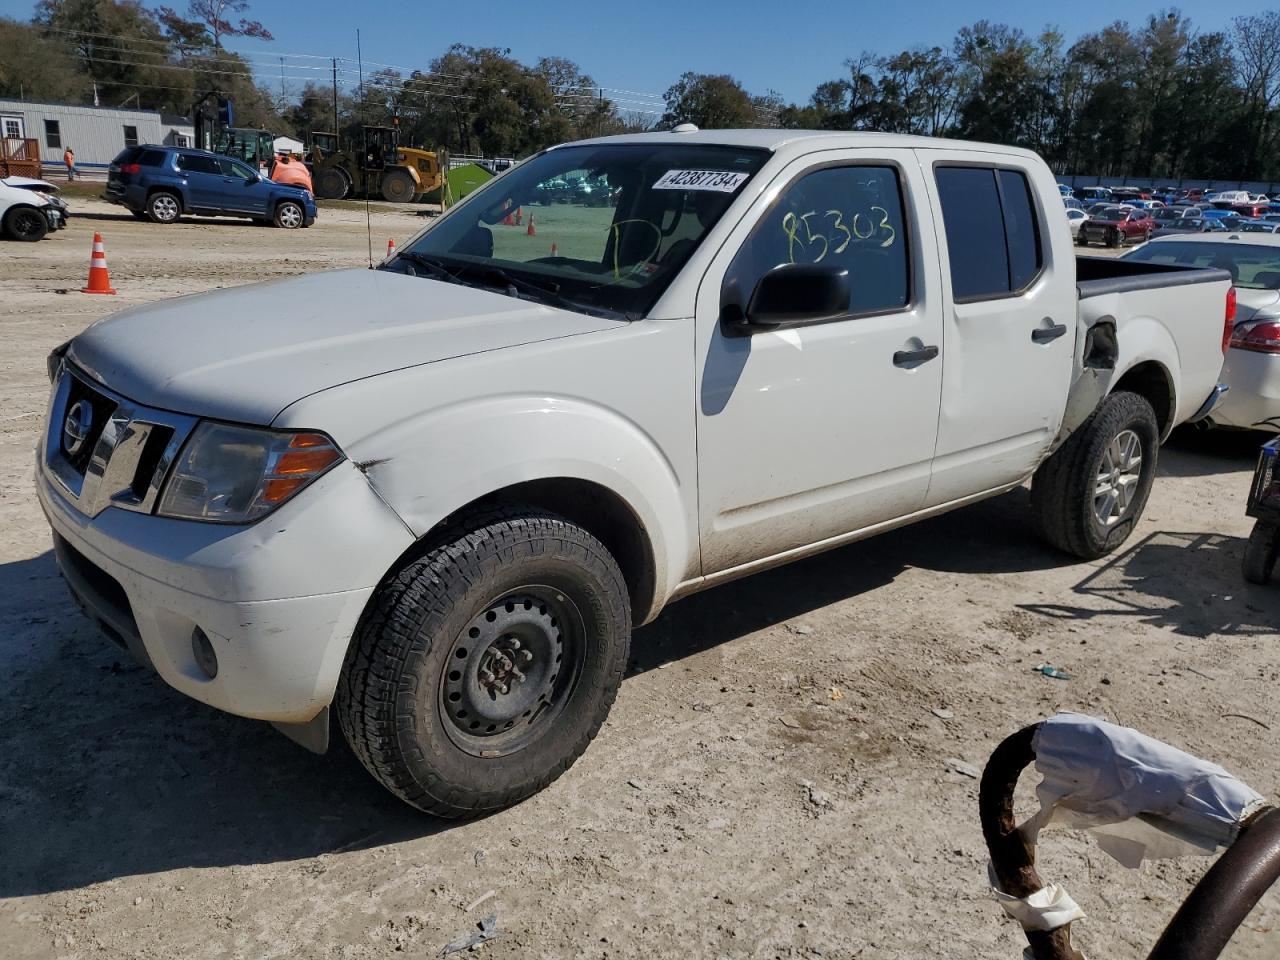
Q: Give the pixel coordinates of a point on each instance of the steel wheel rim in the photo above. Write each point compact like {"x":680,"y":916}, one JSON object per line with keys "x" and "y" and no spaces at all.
{"x":511,"y":670}
{"x":1116,"y":482}
{"x":290,"y":215}
{"x":165,"y":208}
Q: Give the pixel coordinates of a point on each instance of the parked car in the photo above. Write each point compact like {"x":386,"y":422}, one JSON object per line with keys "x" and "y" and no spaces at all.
{"x":1192,"y":195}
{"x":1218,"y":213}
{"x":1165,"y":214}
{"x":1064,"y":190}
{"x":1094,"y":209}
{"x":1252,"y":369}
{"x":1093,"y":194}
{"x":163,"y":183}
{"x":1071,"y":203}
{"x":1116,"y":226}
{"x":442,"y":516}
{"x":1228,"y":198}
{"x":30,"y":209}
{"x":1257,"y":226}
{"x":1185,"y":225}
{"x":1075,"y":218}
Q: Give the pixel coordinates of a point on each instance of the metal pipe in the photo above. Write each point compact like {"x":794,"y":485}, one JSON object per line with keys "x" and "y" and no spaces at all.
{"x":1012,"y":858}
{"x":1224,"y":896}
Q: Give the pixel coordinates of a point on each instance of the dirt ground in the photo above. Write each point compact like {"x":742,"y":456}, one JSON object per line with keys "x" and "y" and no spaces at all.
{"x":774,"y":780}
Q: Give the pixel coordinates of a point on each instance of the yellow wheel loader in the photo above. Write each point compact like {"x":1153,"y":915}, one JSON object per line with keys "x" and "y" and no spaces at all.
{"x":376,"y":166}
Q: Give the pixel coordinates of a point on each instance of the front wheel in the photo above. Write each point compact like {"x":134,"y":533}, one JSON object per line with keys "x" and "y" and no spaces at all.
{"x":398,"y":186}
{"x":481,"y":670}
{"x":1261,"y":552}
{"x":1088,"y":496}
{"x":26,"y":224}
{"x":289,"y":215}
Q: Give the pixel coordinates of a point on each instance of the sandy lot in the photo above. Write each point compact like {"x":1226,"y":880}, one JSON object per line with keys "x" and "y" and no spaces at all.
{"x":731,"y":807}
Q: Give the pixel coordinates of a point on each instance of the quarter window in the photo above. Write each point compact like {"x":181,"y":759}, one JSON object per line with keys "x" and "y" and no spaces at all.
{"x":52,"y":134}
{"x":130,"y":136}
{"x":849,"y":217}
{"x":993,"y":238}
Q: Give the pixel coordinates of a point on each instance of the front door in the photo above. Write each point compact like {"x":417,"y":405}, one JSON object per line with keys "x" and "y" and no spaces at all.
{"x":1010,"y":323}
{"x":813,"y":432}
{"x":242,"y":189}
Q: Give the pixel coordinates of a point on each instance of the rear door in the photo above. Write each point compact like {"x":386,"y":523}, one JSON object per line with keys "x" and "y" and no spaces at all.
{"x":1010,"y":318}
{"x":204,"y":180}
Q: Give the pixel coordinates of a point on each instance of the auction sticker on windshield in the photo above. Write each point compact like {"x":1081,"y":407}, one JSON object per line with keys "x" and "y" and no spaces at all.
{"x":722,"y":181}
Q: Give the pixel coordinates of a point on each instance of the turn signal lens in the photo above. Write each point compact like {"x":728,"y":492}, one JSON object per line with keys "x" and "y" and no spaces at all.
{"x":1229,"y":319}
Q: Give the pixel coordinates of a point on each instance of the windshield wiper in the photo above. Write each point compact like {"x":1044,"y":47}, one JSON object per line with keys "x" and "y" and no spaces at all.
{"x":434,"y":267}
{"x":544,"y":291}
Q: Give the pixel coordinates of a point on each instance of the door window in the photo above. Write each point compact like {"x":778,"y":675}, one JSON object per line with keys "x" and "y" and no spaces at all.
{"x":993,"y":238}
{"x":234,"y":168}
{"x":193,"y":163}
{"x":849,"y":217}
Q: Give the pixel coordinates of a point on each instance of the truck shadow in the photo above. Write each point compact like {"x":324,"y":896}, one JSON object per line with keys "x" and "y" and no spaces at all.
{"x":1191,"y":452}
{"x":1190,"y":583}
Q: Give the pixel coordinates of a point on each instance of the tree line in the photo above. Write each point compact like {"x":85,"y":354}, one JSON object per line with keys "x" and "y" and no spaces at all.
{"x":1160,"y":99}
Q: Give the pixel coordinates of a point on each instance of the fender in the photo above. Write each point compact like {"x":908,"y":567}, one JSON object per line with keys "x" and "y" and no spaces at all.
{"x":430,"y":466}
{"x":1142,"y":339}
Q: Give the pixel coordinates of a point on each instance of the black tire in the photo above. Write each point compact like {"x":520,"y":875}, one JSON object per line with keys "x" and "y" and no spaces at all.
{"x":1261,"y":552}
{"x":164,"y":207}
{"x":1082,"y":240}
{"x":397,"y":186}
{"x":1114,"y":240}
{"x":332,"y":184}
{"x":26,"y":224}
{"x":1063,"y":489}
{"x":289,"y":215}
{"x":402,"y":697}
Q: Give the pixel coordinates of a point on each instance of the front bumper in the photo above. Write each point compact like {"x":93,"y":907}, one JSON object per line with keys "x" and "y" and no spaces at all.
{"x":1254,"y":379}
{"x":278,"y":599}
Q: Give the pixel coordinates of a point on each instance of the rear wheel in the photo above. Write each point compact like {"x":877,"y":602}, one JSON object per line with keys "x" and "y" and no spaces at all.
{"x":163,"y":208}
{"x":289,"y":215}
{"x":1089,"y":495}
{"x":1114,"y":239}
{"x":1261,"y":552}
{"x":483,"y":669}
{"x":398,"y":186}
{"x":26,"y":224}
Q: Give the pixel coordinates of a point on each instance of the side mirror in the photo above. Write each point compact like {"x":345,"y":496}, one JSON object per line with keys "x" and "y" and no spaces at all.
{"x":793,"y":294}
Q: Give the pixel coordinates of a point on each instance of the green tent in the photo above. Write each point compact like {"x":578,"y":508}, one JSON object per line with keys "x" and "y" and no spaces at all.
{"x":462,"y":180}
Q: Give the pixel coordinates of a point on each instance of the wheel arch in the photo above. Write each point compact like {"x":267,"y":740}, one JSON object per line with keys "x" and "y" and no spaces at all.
{"x":600,"y":511}
{"x":1151,"y":380}
{"x":178,"y":192}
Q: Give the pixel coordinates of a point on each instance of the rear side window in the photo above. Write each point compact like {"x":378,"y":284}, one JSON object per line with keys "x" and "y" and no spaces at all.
{"x":127,"y":155}
{"x":151,"y":158}
{"x":993,"y":238}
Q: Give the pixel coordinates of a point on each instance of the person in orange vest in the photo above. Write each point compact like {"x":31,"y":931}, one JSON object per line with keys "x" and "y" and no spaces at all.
{"x":293,"y":172}
{"x":69,"y":158}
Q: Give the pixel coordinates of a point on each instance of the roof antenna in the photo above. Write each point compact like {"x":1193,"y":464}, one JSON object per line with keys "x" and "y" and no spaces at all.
{"x":364,"y":141}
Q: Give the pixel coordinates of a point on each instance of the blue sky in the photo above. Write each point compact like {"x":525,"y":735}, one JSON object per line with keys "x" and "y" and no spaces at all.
{"x":789,"y":47}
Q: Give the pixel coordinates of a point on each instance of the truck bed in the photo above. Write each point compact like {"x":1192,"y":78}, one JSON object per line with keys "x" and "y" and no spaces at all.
{"x":1096,"y":276}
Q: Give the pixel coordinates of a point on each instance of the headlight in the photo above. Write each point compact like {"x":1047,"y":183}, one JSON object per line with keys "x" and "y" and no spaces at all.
{"x":233,"y":474}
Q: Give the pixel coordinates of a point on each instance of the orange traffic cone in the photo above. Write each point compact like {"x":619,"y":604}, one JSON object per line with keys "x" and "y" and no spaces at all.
{"x":99,"y":278}
{"x":509,"y":220}
{"x":553,"y":249}
{"x":531,"y":232}
{"x":391,"y":248}
{"x":519,"y":215}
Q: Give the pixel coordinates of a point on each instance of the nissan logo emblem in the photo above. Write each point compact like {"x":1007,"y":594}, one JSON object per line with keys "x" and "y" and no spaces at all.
{"x":75,"y":429}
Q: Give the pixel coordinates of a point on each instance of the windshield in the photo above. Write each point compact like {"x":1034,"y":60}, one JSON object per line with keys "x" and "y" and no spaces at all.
{"x":598,"y":229}
{"x":1168,"y":213}
{"x":1253,"y":266}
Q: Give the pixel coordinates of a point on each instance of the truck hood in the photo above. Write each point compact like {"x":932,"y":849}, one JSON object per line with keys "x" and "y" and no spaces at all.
{"x":246,"y":353}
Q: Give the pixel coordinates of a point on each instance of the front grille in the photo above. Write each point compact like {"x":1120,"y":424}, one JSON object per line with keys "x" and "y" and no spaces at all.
{"x":106,"y":451}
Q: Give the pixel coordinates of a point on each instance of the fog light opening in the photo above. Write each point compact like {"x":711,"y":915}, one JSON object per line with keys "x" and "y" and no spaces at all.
{"x":206,"y":659}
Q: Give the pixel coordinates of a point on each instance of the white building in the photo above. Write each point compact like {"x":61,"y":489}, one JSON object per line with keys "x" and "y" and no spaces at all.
{"x":96,"y":134}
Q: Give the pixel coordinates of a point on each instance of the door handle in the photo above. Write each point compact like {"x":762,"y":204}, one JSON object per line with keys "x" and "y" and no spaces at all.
{"x":913,"y":358}
{"x":1048,"y":334}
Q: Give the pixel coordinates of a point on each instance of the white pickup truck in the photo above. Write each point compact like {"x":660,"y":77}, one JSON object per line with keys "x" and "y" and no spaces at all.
{"x":437,"y":495}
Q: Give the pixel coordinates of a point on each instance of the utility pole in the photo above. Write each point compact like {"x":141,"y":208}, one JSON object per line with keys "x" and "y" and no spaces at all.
{"x":282,"y":94}
{"x":335,"y":96}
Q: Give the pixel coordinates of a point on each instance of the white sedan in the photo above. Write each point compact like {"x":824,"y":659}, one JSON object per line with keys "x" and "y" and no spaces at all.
{"x":1075,"y":217}
{"x":30,"y":209}
{"x":1252,"y":368}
